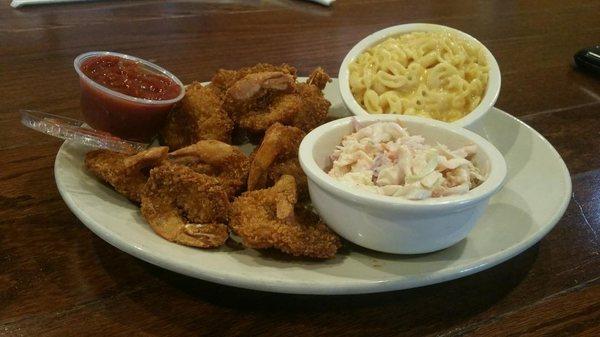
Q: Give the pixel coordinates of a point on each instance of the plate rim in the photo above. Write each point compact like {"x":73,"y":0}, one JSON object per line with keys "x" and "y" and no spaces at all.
{"x":307,"y":287}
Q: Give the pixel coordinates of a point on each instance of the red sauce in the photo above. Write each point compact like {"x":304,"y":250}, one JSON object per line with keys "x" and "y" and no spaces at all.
{"x":125,"y":118}
{"x":129,"y":78}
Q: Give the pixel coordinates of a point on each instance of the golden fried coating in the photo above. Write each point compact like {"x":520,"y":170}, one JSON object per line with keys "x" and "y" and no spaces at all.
{"x":200,"y":117}
{"x":252,"y":91}
{"x":318,"y":78}
{"x":191,"y":195}
{"x":289,"y":167}
{"x":126,"y":173}
{"x":281,"y":109}
{"x":270,"y":218}
{"x":313,"y":110}
{"x":258,"y":100}
{"x":277,"y":155}
{"x":186,"y":207}
{"x":225,"y":162}
{"x":224,"y":79}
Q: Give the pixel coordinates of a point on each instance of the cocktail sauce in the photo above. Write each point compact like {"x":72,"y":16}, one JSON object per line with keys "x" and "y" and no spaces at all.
{"x":129,"y":78}
{"x":124,"y":98}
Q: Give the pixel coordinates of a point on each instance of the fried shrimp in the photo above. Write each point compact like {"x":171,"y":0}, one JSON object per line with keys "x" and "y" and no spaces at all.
{"x":225,"y":162}
{"x":126,"y":173}
{"x":252,"y":91}
{"x":185,"y":207}
{"x":200,"y":117}
{"x":318,"y":78}
{"x":283,"y":109}
{"x":224,"y":78}
{"x":257,"y":101}
{"x":270,"y":218}
{"x":206,"y":188}
{"x":313,"y":110}
{"x":256,"y":85}
{"x":277,"y":155}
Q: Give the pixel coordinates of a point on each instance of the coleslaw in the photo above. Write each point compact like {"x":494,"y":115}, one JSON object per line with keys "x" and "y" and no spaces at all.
{"x":385,"y":159}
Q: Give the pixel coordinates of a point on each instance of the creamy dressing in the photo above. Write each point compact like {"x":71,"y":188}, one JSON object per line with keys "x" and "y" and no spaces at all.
{"x":385,"y":159}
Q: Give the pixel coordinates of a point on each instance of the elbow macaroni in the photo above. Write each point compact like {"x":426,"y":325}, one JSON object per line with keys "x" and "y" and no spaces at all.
{"x":431,"y":74}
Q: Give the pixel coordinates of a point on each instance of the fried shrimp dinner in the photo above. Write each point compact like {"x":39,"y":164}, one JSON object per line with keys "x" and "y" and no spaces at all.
{"x":198,"y":187}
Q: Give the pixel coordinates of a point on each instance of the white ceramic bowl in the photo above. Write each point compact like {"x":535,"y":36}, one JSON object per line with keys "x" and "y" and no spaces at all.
{"x":471,"y":120}
{"x":394,"y":224}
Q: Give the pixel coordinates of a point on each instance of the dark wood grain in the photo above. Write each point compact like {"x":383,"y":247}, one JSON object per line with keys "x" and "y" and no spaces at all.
{"x":58,"y":278}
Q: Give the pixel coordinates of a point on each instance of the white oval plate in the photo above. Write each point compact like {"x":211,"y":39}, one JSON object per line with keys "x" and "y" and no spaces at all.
{"x":534,"y":198}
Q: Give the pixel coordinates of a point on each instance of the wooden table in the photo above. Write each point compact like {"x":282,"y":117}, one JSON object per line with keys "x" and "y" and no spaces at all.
{"x":57,"y":278}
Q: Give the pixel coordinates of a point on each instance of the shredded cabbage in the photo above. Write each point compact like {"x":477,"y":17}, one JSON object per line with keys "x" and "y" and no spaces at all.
{"x":384,"y":158}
